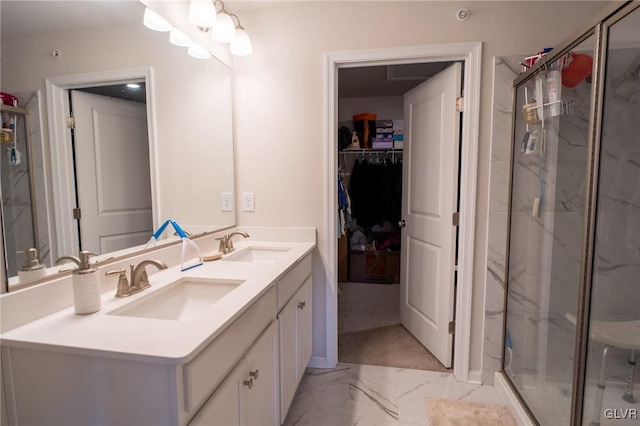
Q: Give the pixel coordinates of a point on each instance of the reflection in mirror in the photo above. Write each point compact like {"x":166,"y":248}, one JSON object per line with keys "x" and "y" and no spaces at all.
{"x":52,"y":48}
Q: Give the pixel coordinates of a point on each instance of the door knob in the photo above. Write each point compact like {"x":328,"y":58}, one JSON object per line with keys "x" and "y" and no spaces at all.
{"x":254,"y":374}
{"x":248,"y":383}
{"x":402,"y":223}
{"x":302,"y":304}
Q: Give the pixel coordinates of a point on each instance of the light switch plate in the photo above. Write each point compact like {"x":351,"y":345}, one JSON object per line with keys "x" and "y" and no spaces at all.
{"x":248,"y":202}
{"x":226,"y":202}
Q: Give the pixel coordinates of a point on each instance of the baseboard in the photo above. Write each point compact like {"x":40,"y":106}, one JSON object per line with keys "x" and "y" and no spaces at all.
{"x":318,"y":362}
{"x":475,"y":377}
{"x":511,"y":400}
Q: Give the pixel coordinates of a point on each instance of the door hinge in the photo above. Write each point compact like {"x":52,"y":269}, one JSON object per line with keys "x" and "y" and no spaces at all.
{"x":71,"y":122}
{"x":455,"y":219}
{"x":452,"y":327}
{"x":460,"y":104}
{"x":77,"y":214}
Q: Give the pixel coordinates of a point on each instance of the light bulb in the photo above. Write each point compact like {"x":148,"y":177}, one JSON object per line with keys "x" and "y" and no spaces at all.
{"x":154,"y":21}
{"x":198,"y":52}
{"x":241,"y":44}
{"x":178,"y":38}
{"x":224,"y":31}
{"x":202,"y":13}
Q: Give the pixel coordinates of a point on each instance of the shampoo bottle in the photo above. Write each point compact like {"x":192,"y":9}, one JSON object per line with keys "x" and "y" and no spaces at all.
{"x":32,"y":269}
{"x":86,"y":285}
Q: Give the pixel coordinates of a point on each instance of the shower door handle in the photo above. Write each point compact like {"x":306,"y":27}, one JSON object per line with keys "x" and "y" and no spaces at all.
{"x":402,"y":223}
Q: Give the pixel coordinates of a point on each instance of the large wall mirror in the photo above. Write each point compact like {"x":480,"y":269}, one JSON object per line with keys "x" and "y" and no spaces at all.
{"x":131,"y":160}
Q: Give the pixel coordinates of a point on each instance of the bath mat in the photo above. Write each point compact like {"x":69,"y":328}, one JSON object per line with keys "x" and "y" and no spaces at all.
{"x":447,"y":412}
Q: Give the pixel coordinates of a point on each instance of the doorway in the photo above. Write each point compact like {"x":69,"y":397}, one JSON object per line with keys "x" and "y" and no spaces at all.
{"x":397,"y":249}
{"x":62,"y":156}
{"x":469,"y":53}
{"x":110,"y":149}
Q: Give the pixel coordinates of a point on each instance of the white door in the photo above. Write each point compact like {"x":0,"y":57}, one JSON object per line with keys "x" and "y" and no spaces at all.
{"x":430,"y":193}
{"x":112,"y":172}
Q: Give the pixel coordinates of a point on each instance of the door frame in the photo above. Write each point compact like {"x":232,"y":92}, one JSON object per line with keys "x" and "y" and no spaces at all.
{"x":62,"y":176}
{"x":471,"y":54}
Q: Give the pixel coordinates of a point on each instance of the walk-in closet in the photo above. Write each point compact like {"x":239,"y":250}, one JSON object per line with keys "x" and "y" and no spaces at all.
{"x":371,"y":162}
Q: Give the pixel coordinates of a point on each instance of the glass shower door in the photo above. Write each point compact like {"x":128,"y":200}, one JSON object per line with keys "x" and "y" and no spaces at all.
{"x":614,"y":321}
{"x":550,"y":162}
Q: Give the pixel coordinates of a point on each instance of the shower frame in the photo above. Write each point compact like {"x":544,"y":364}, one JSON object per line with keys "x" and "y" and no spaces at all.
{"x":597,"y":27}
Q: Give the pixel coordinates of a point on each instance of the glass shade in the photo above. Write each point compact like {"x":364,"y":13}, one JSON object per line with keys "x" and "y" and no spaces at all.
{"x":241,"y":44}
{"x":198,"y":52}
{"x":202,"y":13}
{"x":154,"y":21}
{"x":178,"y":38}
{"x":225,"y":30}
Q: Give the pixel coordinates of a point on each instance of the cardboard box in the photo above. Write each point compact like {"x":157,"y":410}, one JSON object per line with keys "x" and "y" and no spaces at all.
{"x":384,"y":123}
{"x":398,"y":137}
{"x":382,"y":143}
{"x":381,"y":267}
{"x":398,"y":124}
{"x":398,"y":144}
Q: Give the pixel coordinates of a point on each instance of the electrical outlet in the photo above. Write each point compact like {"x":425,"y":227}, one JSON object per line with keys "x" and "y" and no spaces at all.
{"x":248,"y":202}
{"x":226,"y":202}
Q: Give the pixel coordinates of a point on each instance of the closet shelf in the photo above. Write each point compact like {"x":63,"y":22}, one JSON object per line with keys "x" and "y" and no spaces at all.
{"x":368,"y":150}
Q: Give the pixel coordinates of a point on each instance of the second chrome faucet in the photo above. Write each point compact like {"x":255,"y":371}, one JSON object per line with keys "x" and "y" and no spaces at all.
{"x":139,"y":277}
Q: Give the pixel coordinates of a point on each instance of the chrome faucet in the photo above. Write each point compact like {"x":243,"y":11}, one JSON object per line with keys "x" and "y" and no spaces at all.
{"x":139,"y":277}
{"x":226,"y":243}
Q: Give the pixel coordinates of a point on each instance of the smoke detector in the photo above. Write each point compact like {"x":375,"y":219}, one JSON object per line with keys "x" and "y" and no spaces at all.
{"x":463,"y":15}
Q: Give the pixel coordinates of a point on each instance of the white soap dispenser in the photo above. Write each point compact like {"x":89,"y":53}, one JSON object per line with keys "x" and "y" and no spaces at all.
{"x":86,"y":285}
{"x":32,"y":269}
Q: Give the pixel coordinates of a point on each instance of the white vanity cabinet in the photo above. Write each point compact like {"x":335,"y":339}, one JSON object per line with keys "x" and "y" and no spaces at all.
{"x":250,"y":394}
{"x":295,"y":343}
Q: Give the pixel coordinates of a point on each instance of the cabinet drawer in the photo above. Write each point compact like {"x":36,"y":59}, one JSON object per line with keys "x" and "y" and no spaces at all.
{"x":292,"y":280}
{"x":208,"y":369}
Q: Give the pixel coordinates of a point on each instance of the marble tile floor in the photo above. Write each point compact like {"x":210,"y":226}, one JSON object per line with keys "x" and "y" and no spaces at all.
{"x":367,"y":395}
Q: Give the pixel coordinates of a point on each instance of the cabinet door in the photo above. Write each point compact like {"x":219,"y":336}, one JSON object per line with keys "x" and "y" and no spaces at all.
{"x":261,"y":402}
{"x":303,"y":327}
{"x":288,"y":355}
{"x":223,"y":408}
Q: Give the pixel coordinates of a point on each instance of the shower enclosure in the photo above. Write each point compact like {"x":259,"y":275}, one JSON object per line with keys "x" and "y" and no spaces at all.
{"x":572,"y":323}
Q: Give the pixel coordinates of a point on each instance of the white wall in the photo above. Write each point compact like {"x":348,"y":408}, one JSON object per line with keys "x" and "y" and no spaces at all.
{"x":280,"y":102}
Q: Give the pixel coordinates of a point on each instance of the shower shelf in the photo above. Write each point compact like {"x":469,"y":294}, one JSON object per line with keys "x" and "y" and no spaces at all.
{"x":529,"y":110}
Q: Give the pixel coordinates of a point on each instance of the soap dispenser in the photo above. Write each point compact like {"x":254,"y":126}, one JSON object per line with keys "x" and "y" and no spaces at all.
{"x":86,"y":285}
{"x":32,"y":269}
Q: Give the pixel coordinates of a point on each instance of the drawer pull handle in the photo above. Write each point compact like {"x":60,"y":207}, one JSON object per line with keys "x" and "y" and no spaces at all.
{"x":302,"y":304}
{"x":254,"y":374}
{"x":248,"y":383}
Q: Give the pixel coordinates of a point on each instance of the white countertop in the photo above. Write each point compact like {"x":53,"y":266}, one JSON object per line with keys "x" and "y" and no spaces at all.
{"x":156,"y":340}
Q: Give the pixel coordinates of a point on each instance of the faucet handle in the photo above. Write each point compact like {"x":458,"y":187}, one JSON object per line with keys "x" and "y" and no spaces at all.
{"x":223,"y":246}
{"x":123,"y":283}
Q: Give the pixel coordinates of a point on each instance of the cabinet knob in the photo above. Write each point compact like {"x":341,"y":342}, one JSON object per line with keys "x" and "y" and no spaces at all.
{"x":302,"y":304}
{"x":248,"y":383}
{"x":254,"y":374}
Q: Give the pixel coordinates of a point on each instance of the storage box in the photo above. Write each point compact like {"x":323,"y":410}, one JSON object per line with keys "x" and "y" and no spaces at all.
{"x":398,"y":137}
{"x":382,"y":143}
{"x":365,"y":126}
{"x":384,"y":130}
{"x":398,"y":124}
{"x":382,"y":267}
{"x":398,"y":144}
{"x":384,"y":123}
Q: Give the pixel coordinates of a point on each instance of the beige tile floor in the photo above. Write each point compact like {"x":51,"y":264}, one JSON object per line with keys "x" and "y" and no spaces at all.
{"x":367,"y":395}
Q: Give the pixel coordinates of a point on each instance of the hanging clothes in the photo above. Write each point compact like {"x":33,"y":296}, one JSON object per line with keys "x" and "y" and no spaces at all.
{"x":344,"y":204}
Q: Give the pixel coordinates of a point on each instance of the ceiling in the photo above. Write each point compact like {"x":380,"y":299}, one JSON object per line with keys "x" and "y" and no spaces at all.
{"x":120,"y":91}
{"x":385,"y":80}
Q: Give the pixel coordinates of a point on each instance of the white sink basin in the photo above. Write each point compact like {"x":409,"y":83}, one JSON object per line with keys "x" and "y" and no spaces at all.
{"x":179,"y":301}
{"x":258,"y":254}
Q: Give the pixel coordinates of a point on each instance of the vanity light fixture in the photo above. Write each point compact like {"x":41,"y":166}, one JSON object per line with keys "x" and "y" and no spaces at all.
{"x":224,"y":31}
{"x":241,"y":44}
{"x":178,"y":38}
{"x":202,"y":13}
{"x":154,"y":21}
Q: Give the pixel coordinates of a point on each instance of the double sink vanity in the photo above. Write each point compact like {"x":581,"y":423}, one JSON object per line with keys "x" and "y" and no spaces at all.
{"x":221,"y":344}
